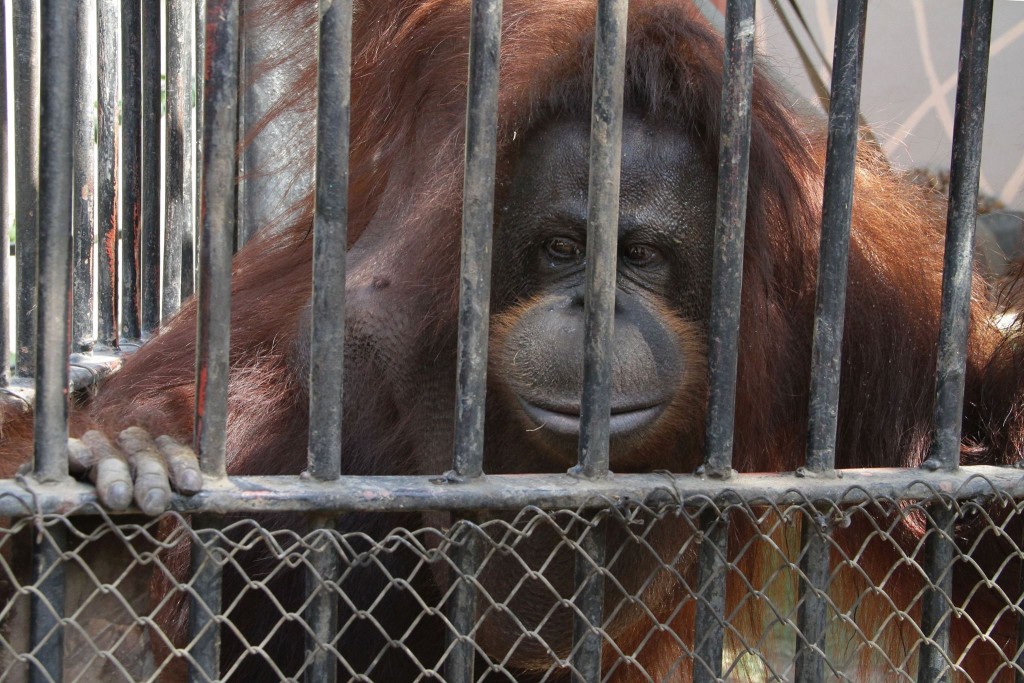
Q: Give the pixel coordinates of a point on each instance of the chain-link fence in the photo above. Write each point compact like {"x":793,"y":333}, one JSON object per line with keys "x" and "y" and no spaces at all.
{"x":129,"y":590}
{"x":343,"y":573}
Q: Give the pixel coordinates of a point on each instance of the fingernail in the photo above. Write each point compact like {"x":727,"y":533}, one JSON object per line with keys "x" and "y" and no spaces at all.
{"x":119,"y":496}
{"x":191,"y":482}
{"x":154,"y":503}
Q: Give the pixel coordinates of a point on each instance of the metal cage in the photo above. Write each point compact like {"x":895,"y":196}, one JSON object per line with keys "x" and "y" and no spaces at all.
{"x":84,"y":623}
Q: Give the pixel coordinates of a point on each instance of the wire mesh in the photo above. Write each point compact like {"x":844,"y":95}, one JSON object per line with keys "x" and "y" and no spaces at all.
{"x":128,"y":591}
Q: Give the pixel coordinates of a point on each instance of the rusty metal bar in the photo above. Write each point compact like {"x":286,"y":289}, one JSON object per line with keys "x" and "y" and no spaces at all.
{"x":217,"y":209}
{"x":108,"y":167}
{"x":149,"y":280}
{"x":131,"y":165}
{"x":84,"y":183}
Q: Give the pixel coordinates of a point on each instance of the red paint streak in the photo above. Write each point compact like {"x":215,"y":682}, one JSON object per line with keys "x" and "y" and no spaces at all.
{"x":201,"y":393}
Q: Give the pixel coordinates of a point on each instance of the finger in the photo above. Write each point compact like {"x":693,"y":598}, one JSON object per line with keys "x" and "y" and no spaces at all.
{"x":183,"y":464}
{"x":152,"y":488}
{"x":80,"y":457}
{"x":108,"y":471}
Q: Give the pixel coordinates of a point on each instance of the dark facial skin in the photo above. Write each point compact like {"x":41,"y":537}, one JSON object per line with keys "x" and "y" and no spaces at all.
{"x":666,"y":228}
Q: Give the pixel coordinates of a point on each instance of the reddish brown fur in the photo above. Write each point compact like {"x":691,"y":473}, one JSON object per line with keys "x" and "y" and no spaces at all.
{"x":406,"y":170}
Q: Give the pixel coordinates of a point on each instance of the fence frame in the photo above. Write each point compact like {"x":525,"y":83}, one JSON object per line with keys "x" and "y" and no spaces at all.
{"x":463,"y":490}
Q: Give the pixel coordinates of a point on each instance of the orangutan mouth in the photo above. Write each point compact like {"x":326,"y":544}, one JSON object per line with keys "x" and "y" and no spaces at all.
{"x":564,"y":420}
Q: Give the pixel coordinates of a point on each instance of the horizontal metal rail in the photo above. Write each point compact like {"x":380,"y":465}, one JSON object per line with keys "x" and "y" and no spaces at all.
{"x":86,"y":370}
{"x":249,"y":495}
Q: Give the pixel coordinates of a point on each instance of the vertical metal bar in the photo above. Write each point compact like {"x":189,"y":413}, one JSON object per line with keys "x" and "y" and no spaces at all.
{"x":474,"y":312}
{"x":599,"y":318}
{"x":46,"y":636}
{"x":217,"y":208}
{"x":714,"y":549}
{"x":724,"y":324}
{"x":178,"y":61}
{"x":150,"y":276}
{"x":477,"y":222}
{"x":205,"y":602}
{"x":131,"y":166}
{"x":727,"y":269}
{"x":467,"y":553}
{"x":322,"y":613}
{"x":188,"y":276}
{"x":330,"y":224}
{"x":836,"y":214}
{"x":602,"y":234}
{"x":248,"y":61}
{"x":830,"y":307}
{"x":108,"y":168}
{"x":84,"y":194}
{"x":188,"y":155}
{"x":965,"y":170}
{"x":56,"y":112}
{"x":330,"y":230}
{"x":935,"y":604}
{"x":587,"y":622}
{"x":5,"y":211}
{"x":26,"y":177}
{"x":813,"y":603}
{"x":54,"y":215}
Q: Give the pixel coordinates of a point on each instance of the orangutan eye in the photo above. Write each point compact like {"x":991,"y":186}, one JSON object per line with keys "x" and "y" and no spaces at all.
{"x":564,"y":249}
{"x":641,"y":254}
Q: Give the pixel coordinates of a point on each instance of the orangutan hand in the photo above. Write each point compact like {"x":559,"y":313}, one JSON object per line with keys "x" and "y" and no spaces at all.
{"x":139,"y":468}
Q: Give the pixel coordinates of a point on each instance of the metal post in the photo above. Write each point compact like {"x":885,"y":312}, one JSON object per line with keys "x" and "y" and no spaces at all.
{"x":474,"y":315}
{"x":830,"y":307}
{"x":26,"y":177}
{"x":131,"y":164}
{"x":217,"y":208}
{"x":151,"y":163}
{"x":177,"y":137}
{"x":724,"y":324}
{"x":108,"y":167}
{"x":84,"y":197}
{"x":965,"y":171}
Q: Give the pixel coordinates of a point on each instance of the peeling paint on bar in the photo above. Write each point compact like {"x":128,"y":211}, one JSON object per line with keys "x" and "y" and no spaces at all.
{"x":546,"y":491}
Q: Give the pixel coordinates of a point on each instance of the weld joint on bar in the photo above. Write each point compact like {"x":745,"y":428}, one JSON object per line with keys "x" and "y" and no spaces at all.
{"x":454,"y":477}
{"x":708,"y":471}
{"x":809,"y":473}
